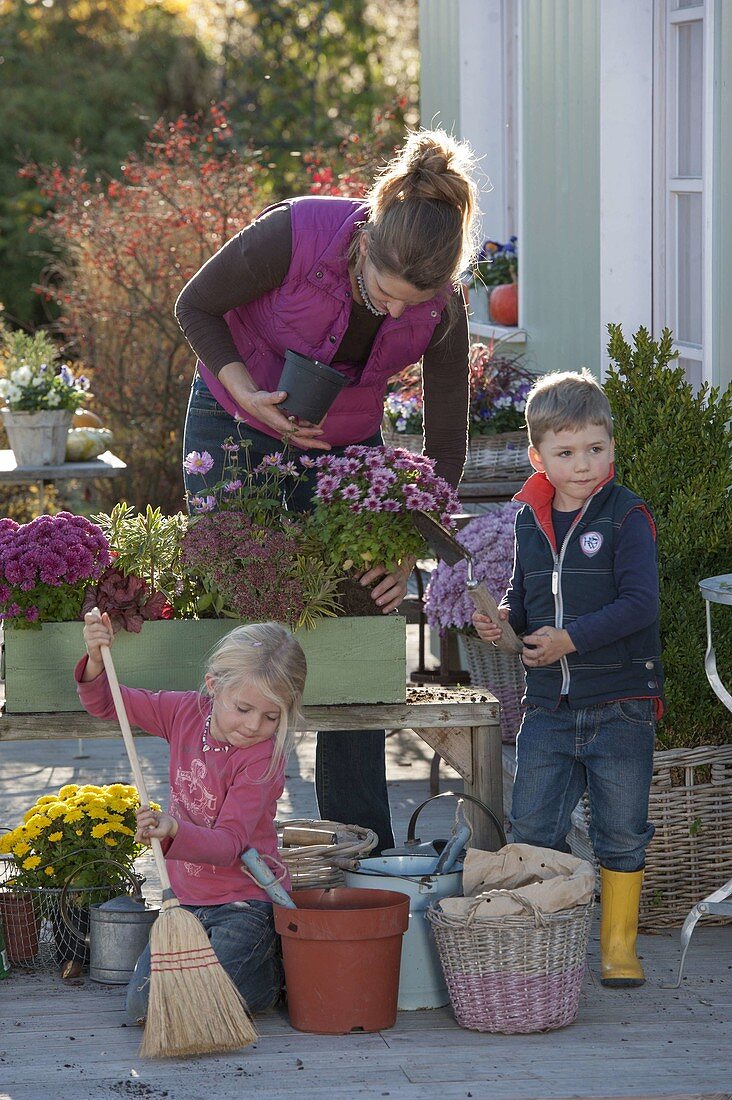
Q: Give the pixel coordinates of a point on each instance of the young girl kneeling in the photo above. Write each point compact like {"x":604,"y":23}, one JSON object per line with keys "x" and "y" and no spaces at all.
{"x":227,"y":749}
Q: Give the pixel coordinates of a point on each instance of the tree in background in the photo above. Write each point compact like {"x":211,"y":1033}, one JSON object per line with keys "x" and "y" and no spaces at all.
{"x":95,"y":73}
{"x":126,"y":248}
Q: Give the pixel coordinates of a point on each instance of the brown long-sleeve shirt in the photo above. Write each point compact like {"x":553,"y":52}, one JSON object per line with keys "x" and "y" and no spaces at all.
{"x":257,"y":260}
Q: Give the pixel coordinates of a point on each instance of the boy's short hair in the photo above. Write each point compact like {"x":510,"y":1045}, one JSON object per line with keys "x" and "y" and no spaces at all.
{"x":566,"y":401}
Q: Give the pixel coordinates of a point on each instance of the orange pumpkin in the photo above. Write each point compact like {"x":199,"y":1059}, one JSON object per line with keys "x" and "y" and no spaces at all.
{"x":503,"y":304}
{"x":85,"y":419}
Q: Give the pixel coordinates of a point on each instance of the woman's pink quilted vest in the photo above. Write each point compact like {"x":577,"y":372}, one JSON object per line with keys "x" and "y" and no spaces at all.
{"x":309,"y":313}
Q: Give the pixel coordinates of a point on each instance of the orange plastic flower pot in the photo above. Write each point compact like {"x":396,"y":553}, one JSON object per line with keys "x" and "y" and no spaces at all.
{"x":342,"y":951}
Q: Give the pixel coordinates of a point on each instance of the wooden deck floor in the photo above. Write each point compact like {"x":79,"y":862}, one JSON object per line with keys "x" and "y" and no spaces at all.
{"x":69,"y":1042}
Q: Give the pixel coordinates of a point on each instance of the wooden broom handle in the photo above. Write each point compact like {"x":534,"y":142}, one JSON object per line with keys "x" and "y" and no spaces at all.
{"x":486,"y":605}
{"x":134,"y":759}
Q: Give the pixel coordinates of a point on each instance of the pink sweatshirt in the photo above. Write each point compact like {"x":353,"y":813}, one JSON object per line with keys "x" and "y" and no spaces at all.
{"x":219,"y":800}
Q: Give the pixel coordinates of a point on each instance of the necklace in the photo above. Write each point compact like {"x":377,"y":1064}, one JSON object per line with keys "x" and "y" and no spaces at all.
{"x":207,"y":746}
{"x":366,"y":300}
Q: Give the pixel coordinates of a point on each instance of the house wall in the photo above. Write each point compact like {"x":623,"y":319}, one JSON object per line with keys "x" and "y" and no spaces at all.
{"x":560,"y":168}
{"x":722,"y":202}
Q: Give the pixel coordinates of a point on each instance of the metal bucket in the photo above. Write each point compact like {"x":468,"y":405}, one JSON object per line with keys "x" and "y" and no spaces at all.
{"x":118,"y":931}
{"x":421,"y":982}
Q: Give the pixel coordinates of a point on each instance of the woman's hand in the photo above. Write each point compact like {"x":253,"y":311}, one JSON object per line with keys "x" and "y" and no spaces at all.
{"x":97,"y":632}
{"x":154,"y":823}
{"x":263,"y":405}
{"x":392,"y":588}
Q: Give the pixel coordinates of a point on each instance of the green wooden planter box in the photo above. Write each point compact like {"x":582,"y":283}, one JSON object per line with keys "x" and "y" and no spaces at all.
{"x":350,"y":660}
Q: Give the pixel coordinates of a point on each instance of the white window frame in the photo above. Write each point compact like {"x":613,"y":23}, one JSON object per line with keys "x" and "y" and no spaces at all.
{"x":668,"y":187}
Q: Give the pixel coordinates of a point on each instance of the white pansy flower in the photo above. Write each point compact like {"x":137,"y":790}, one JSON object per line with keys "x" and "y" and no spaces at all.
{"x":21,"y":376}
{"x":53,"y":398}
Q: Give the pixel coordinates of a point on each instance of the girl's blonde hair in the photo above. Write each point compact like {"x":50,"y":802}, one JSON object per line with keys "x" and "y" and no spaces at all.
{"x":423,"y":212}
{"x":268,"y":658}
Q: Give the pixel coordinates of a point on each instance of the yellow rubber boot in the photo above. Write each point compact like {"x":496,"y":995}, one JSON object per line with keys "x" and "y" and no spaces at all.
{"x":619,"y":901}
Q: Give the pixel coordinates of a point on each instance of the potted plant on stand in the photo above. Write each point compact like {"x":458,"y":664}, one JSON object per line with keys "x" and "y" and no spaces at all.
{"x":40,"y":397}
{"x":499,"y":386}
{"x":489,"y":538}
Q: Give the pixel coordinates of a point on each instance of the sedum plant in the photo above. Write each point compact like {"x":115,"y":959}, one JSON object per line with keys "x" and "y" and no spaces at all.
{"x":673,"y":448}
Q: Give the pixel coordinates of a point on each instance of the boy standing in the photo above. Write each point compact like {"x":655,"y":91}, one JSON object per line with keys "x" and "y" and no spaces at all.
{"x":584,"y":593}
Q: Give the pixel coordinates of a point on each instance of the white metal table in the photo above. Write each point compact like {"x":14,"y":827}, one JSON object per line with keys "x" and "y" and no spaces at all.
{"x":714,"y":590}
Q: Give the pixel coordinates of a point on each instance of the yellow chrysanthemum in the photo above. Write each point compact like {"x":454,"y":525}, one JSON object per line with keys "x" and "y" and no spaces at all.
{"x":55,"y":809}
{"x":38,"y":822}
{"x":69,"y":790}
{"x":117,"y":788}
{"x":110,"y":841}
{"x":31,"y":862}
{"x":72,"y":815}
{"x":97,"y":810}
{"x":45,"y":799}
{"x":56,"y":836}
{"x":20,"y":849}
{"x":119,"y":805}
{"x":100,"y":830}
{"x":79,"y":832}
{"x":7,"y":842}
{"x":90,"y":788}
{"x":49,"y":871}
{"x":118,"y":827}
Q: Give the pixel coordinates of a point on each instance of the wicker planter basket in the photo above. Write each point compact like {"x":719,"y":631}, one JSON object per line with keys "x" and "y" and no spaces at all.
{"x":320,"y":864}
{"x":691,"y":852}
{"x":502,"y":673}
{"x":35,"y":935}
{"x":490,"y":457}
{"x":513,"y":974}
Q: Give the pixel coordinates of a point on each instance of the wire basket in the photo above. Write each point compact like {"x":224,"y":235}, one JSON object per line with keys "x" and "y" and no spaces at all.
{"x":407,"y":442}
{"x":502,"y":673}
{"x":322,"y":864}
{"x":513,"y":974}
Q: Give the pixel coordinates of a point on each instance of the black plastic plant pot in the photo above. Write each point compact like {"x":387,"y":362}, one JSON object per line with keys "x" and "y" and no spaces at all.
{"x":311,"y":387}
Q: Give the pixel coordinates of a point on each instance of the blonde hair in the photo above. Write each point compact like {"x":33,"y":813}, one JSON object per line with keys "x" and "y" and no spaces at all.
{"x":423,"y":210}
{"x":566,"y":401}
{"x":268,"y":658}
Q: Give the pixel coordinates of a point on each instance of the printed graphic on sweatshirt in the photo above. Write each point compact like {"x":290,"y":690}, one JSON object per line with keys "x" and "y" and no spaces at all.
{"x":191,"y":792}
{"x":590,"y":543}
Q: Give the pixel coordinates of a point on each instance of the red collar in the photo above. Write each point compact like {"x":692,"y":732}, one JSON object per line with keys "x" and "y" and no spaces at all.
{"x":538,"y":492}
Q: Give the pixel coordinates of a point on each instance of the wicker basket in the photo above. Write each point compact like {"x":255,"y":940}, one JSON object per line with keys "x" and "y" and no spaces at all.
{"x":490,"y":457}
{"x":498,"y":457}
{"x":320,"y":864}
{"x":502,"y":673}
{"x":513,"y":974}
{"x":691,"y":852}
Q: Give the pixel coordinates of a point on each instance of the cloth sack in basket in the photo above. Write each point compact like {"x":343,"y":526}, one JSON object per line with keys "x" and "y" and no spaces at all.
{"x":552,"y":881}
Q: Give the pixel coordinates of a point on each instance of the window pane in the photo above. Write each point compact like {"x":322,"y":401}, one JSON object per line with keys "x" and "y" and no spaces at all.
{"x":693,"y":370}
{"x":689,"y":268}
{"x":678,"y":4}
{"x":690,"y":91}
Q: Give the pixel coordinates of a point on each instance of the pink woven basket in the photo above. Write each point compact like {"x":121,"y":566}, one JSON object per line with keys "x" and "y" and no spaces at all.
{"x":513,"y":974}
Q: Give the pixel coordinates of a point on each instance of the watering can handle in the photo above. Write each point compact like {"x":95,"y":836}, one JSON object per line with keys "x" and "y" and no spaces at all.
{"x":469,"y":798}
{"x":63,"y":904}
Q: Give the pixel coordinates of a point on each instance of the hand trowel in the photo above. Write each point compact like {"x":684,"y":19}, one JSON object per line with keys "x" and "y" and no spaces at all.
{"x":449,"y":550}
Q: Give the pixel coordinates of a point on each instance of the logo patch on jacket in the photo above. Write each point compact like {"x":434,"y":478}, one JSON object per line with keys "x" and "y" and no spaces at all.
{"x":590,"y":543}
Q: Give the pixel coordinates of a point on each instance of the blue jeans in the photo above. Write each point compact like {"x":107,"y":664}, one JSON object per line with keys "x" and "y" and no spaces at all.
{"x":242,"y":934}
{"x":607,"y":749}
{"x":350,"y":767}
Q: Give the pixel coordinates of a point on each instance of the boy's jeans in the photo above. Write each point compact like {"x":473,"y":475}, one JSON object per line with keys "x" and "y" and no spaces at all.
{"x":350,"y":771}
{"x":607,"y":748}
{"x":242,"y":934}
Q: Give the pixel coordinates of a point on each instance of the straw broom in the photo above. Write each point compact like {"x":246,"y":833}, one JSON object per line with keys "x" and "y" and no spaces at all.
{"x":194,"y":1006}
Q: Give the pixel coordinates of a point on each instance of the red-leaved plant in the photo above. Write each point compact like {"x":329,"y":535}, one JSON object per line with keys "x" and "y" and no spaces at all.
{"x":126,"y":249}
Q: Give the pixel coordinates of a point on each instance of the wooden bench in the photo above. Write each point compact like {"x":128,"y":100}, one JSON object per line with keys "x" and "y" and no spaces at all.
{"x":460,"y":724}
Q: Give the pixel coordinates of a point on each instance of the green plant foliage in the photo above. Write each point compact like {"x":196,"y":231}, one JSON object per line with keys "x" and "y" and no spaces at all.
{"x":673,"y":448}
{"x":94,"y":73}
